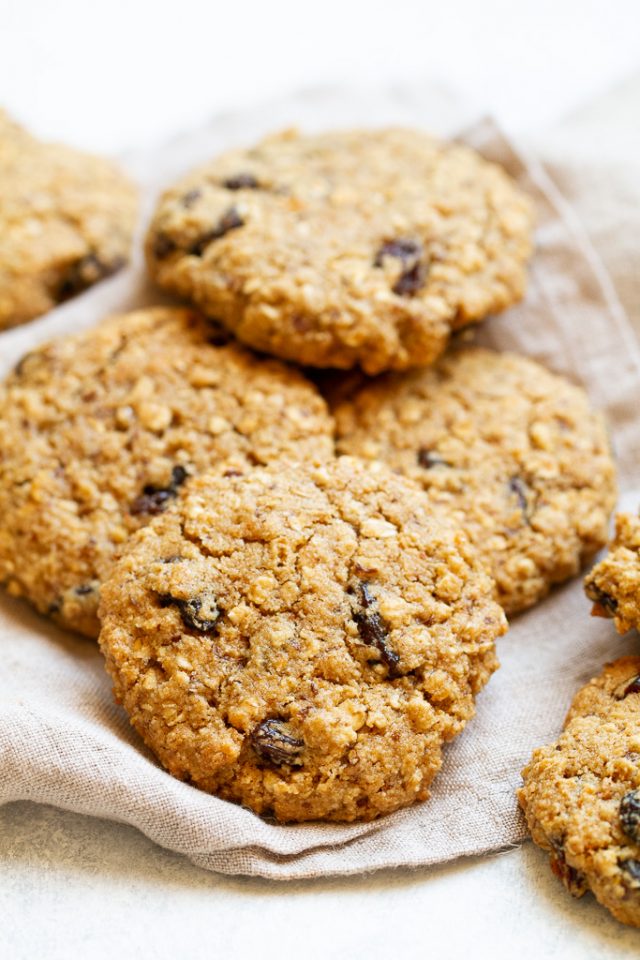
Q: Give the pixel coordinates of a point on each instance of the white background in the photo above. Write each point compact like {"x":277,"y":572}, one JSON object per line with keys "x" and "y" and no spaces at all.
{"x":119,"y":73}
{"x":113,"y":75}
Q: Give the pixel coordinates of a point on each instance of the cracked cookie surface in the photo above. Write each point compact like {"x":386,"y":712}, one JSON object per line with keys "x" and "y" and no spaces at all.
{"x":301,"y":640}
{"x":614,"y":584}
{"x":512,"y":451}
{"x":581,"y":795}
{"x":102,"y":430}
{"x":351,"y":248}
{"x":66,"y":221}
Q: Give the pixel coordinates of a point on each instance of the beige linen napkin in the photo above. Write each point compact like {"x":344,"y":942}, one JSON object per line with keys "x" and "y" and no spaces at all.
{"x":64,"y":742}
{"x":594,"y":156}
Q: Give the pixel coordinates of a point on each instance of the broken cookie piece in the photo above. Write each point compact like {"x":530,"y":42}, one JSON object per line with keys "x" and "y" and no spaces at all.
{"x":581,"y":794}
{"x":614,"y":584}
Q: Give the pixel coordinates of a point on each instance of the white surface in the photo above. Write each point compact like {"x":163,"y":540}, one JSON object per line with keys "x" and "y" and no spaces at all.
{"x":107,"y":76}
{"x":123,"y":72}
{"x":72,"y":887}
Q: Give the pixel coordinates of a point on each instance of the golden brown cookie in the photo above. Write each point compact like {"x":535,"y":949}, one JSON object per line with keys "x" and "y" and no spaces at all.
{"x":100,"y":431}
{"x":66,"y":221}
{"x":581,"y":795}
{"x":351,"y":248}
{"x":513,"y":452}
{"x":301,"y":639}
{"x":614,"y":583}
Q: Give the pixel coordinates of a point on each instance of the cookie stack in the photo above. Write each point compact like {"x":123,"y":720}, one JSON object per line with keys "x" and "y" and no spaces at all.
{"x":297,"y":579}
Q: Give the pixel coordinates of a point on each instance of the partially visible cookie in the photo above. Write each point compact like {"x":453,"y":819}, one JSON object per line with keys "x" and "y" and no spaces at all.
{"x":66,"y":221}
{"x":512,"y":451}
{"x":581,"y":795}
{"x":349,"y":248}
{"x":301,"y":640}
{"x":614,"y":583}
{"x":100,"y":431}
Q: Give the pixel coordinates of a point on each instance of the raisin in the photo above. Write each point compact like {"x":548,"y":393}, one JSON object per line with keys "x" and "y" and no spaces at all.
{"x":409,"y":253}
{"x":178,"y":476}
{"x":604,"y":603}
{"x":191,"y":197}
{"x":428,"y":459}
{"x":153,"y":500}
{"x":230,"y":220}
{"x":218,"y":337}
{"x":410,"y":281}
{"x":242,"y":181}
{"x":519,"y":488}
{"x":273,"y":743}
{"x":199,"y":613}
{"x":219,"y":340}
{"x":401,"y":249}
{"x":573,"y":879}
{"x":174,"y":558}
{"x":373,"y":631}
{"x":630,"y":814}
{"x":632,"y":867}
{"x":633,"y":686}
{"x":85,"y":272}
{"x":163,"y":246}
{"x":84,"y":589}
